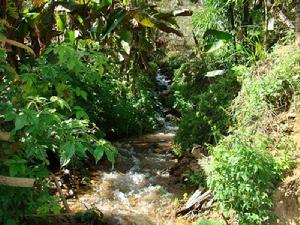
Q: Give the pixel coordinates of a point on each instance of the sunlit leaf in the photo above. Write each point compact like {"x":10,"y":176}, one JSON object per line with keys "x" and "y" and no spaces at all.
{"x":68,"y":150}
{"x":214,"y":46}
{"x":62,"y":103}
{"x":126,"y":46}
{"x":98,"y":153}
{"x":215,"y":73}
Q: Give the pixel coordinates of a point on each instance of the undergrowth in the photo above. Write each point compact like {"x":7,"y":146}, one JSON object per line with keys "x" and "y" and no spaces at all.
{"x":250,"y":161}
{"x":202,"y":101}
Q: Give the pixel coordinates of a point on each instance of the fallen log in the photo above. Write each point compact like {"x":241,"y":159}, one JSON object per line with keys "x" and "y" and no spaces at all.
{"x":16,"y":181}
{"x":195,"y":201}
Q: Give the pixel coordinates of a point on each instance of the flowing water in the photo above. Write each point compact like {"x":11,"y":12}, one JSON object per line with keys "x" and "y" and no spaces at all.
{"x":139,"y":190}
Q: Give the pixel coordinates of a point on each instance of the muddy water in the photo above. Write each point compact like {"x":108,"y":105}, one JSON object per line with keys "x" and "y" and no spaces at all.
{"x":139,"y":190}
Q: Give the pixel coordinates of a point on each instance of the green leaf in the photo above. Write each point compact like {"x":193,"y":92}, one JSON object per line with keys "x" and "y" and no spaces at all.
{"x":108,"y":148}
{"x":80,"y":113}
{"x":61,"y":21}
{"x":62,"y":103}
{"x":70,"y":36}
{"x":16,"y":166}
{"x":214,"y":46}
{"x":148,"y":21}
{"x":21,"y":121}
{"x":113,"y":22}
{"x":217,"y":34}
{"x":81,"y":93}
{"x":68,"y":151}
{"x":80,"y":150}
{"x":98,"y":153}
{"x":110,"y":155}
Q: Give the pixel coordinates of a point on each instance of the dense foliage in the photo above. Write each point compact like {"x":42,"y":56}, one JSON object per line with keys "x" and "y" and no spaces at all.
{"x":248,"y":163}
{"x":76,"y":74}
{"x":232,"y":87}
{"x":72,"y":73}
{"x":202,"y":100}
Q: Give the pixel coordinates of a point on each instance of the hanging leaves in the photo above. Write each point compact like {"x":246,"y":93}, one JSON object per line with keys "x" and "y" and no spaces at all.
{"x":216,"y":39}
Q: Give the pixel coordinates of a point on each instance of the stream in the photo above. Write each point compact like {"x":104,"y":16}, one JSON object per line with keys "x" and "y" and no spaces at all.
{"x":139,"y":190}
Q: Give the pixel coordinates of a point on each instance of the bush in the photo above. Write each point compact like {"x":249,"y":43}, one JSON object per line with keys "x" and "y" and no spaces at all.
{"x":243,"y":175}
{"x":269,"y":90}
{"x":203,"y":102}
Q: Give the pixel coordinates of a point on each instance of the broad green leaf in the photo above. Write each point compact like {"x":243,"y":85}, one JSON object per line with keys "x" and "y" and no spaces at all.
{"x":220,"y":35}
{"x":98,"y":153}
{"x":21,"y":121}
{"x":68,"y":151}
{"x":110,"y":154}
{"x":16,"y":166}
{"x":81,"y":93}
{"x":109,"y":150}
{"x":80,"y":113}
{"x":61,"y":21}
{"x":80,"y":150}
{"x":214,"y":46}
{"x":62,"y":103}
{"x":70,"y":36}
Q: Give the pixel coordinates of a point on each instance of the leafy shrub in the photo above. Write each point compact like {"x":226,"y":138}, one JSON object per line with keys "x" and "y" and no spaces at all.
{"x":121,"y":111}
{"x":243,"y":175}
{"x":39,"y":110}
{"x":248,"y":163}
{"x":271,"y":89}
{"x":52,"y":106}
{"x":202,"y":102}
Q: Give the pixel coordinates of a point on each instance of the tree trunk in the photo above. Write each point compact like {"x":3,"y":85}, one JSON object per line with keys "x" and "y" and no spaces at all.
{"x":266,"y":35}
{"x":297,"y":24}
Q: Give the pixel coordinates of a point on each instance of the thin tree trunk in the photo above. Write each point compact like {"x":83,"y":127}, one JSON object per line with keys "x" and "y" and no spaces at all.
{"x":297,"y":24}
{"x":266,"y":36}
